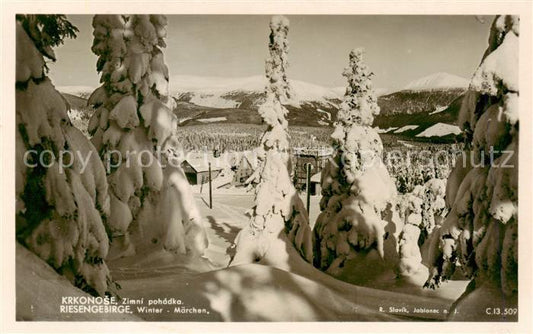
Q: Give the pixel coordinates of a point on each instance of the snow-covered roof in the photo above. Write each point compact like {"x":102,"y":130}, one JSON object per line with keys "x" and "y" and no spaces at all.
{"x":320,"y":152}
{"x":202,"y":164}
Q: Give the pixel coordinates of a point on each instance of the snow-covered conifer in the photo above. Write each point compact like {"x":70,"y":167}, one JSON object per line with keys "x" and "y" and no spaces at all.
{"x":279,"y":219}
{"x":134,"y":130}
{"x":421,"y":212}
{"x":61,"y":187}
{"x":481,"y":231}
{"x":356,"y":186}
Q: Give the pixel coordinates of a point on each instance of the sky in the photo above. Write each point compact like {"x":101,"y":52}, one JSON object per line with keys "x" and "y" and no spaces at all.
{"x":398,"y":48}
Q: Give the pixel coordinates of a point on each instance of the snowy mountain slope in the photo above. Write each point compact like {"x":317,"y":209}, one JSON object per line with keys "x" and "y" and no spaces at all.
{"x":80,"y":91}
{"x":218,"y":92}
{"x":235,"y":100}
{"x":440,"y":130}
{"x":440,"y":80}
{"x":409,"y":102}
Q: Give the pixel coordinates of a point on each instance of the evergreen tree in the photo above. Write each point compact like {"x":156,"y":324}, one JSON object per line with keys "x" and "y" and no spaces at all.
{"x":279,"y":219}
{"x":481,"y":231}
{"x":134,"y":129}
{"x":356,"y":186}
{"x":61,"y":188}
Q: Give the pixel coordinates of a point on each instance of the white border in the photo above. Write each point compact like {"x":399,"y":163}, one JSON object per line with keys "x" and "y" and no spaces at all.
{"x":7,"y":147}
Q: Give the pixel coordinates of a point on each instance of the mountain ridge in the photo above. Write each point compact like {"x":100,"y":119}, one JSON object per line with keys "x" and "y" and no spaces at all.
{"x":438,"y":80}
{"x":202,"y":100}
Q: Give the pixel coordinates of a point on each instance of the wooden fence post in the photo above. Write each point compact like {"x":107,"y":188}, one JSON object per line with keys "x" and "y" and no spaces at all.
{"x":308,"y":185}
{"x":210,"y":189}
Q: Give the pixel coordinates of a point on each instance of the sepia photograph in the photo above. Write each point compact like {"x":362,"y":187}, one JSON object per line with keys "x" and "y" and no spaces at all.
{"x":268,"y":167}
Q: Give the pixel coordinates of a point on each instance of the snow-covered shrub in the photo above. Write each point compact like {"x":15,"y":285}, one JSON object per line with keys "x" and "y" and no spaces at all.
{"x":420,"y":212}
{"x":62,"y":196}
{"x":80,"y":120}
{"x":356,"y":186}
{"x":409,"y":170}
{"x":481,"y":231}
{"x":433,"y":208}
{"x":278,"y":215}
{"x":134,"y":130}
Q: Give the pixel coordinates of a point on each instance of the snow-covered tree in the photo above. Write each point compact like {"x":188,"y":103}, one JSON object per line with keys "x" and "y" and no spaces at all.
{"x":134,"y":130}
{"x":420,"y":211}
{"x":481,"y":231}
{"x":62,"y":196}
{"x":279,"y":219}
{"x":356,"y":186}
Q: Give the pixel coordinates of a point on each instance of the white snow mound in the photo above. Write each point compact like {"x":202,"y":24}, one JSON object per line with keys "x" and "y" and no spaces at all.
{"x":406,"y":128}
{"x":440,"y":130}
{"x":212,"y":119}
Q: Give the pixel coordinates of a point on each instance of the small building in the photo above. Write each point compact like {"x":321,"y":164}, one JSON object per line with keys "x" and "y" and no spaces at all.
{"x":197,"y":170}
{"x":317,"y":158}
{"x":243,"y":170}
{"x":315,"y":186}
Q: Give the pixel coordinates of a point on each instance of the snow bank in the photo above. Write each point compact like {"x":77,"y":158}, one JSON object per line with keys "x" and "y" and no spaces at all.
{"x":212,"y":119}
{"x":438,"y":109}
{"x":40,"y":290}
{"x":406,"y":128}
{"x":440,"y":130}
{"x":387,"y":130}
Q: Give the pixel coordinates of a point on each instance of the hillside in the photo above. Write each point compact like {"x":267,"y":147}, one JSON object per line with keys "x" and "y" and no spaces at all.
{"x":407,"y":102}
{"x":204,"y":100}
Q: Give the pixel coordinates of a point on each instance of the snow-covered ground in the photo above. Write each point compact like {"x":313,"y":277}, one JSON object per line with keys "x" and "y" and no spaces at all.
{"x":326,"y":113}
{"x":439,"y":130}
{"x":438,"y":109}
{"x":379,"y":130}
{"x":404,"y":143}
{"x":212,"y":119}
{"x":406,"y":128}
{"x":260,"y":292}
{"x":213,"y":101}
{"x":40,"y":289}
{"x":253,"y":292}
